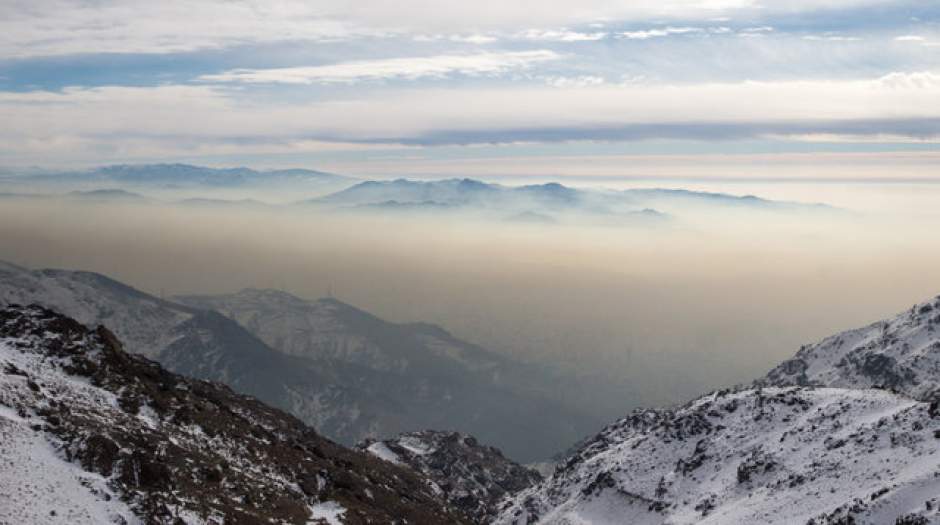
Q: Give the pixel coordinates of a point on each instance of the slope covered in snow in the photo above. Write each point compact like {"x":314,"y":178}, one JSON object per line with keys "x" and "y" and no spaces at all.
{"x":145,"y":322}
{"x":777,"y":455}
{"x":470,"y":476}
{"x":92,"y":434}
{"x":901,"y":354}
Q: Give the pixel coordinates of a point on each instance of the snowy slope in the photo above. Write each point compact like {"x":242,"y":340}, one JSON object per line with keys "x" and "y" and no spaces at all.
{"x":902,"y":354}
{"x":37,"y":483}
{"x":92,"y":434}
{"x":470,"y":476}
{"x":794,"y":455}
{"x":145,"y":322}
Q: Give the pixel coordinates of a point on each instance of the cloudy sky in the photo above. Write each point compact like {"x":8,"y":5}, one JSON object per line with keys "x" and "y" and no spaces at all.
{"x":441,"y":87}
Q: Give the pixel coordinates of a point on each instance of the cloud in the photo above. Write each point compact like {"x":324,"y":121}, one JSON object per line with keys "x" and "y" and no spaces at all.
{"x":562,"y":35}
{"x":910,"y":38}
{"x":473,"y":39}
{"x":30,"y":28}
{"x":389,"y":69}
{"x":832,"y":38}
{"x":579,"y":81}
{"x":117,"y":122}
{"x":655,"y":33}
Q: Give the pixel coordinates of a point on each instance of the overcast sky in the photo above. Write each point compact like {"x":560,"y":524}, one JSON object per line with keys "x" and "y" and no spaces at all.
{"x":446,"y":87}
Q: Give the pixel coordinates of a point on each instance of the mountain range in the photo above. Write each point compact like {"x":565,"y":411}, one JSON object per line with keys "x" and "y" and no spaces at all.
{"x":533,"y":204}
{"x":845,"y":432}
{"x":349,"y":374}
{"x":548,"y":203}
{"x":187,"y":175}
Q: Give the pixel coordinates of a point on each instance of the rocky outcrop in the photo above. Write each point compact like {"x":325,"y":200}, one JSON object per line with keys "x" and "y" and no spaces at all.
{"x":470,"y":476}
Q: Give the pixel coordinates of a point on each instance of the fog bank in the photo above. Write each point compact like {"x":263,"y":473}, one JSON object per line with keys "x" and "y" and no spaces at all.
{"x":637,"y":316}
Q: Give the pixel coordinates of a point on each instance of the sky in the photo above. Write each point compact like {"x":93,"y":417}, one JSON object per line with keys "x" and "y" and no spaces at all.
{"x":711,"y":88}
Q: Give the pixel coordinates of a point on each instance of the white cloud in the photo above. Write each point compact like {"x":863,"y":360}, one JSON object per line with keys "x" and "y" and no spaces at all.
{"x":387,"y":69}
{"x":562,"y":35}
{"x":55,"y":27}
{"x":579,"y":81}
{"x":655,"y":33}
{"x":910,"y":38}
{"x":832,"y":38}
{"x":473,"y":39}
{"x":911,"y":81}
{"x":170,"y":119}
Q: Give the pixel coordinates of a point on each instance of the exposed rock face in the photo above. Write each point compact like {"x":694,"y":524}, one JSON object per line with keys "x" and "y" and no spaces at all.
{"x":132,"y":442}
{"x":900,"y":354}
{"x":778,"y":455}
{"x":470,"y":476}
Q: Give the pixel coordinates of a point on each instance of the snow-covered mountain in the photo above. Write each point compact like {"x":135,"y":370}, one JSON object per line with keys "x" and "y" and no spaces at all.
{"x":848,"y":431}
{"x":778,"y":455}
{"x":92,"y":434}
{"x":148,"y":324}
{"x":901,"y":353}
{"x":428,"y":377}
{"x":470,"y":476}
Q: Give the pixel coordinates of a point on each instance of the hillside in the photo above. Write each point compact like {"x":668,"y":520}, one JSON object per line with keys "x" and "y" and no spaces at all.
{"x":846,"y":432}
{"x":94,"y":434}
{"x":901,"y":353}
{"x":778,"y":455}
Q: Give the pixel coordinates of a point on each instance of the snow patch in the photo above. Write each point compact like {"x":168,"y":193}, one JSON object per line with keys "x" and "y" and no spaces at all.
{"x":381,"y":451}
{"x":329,"y":511}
